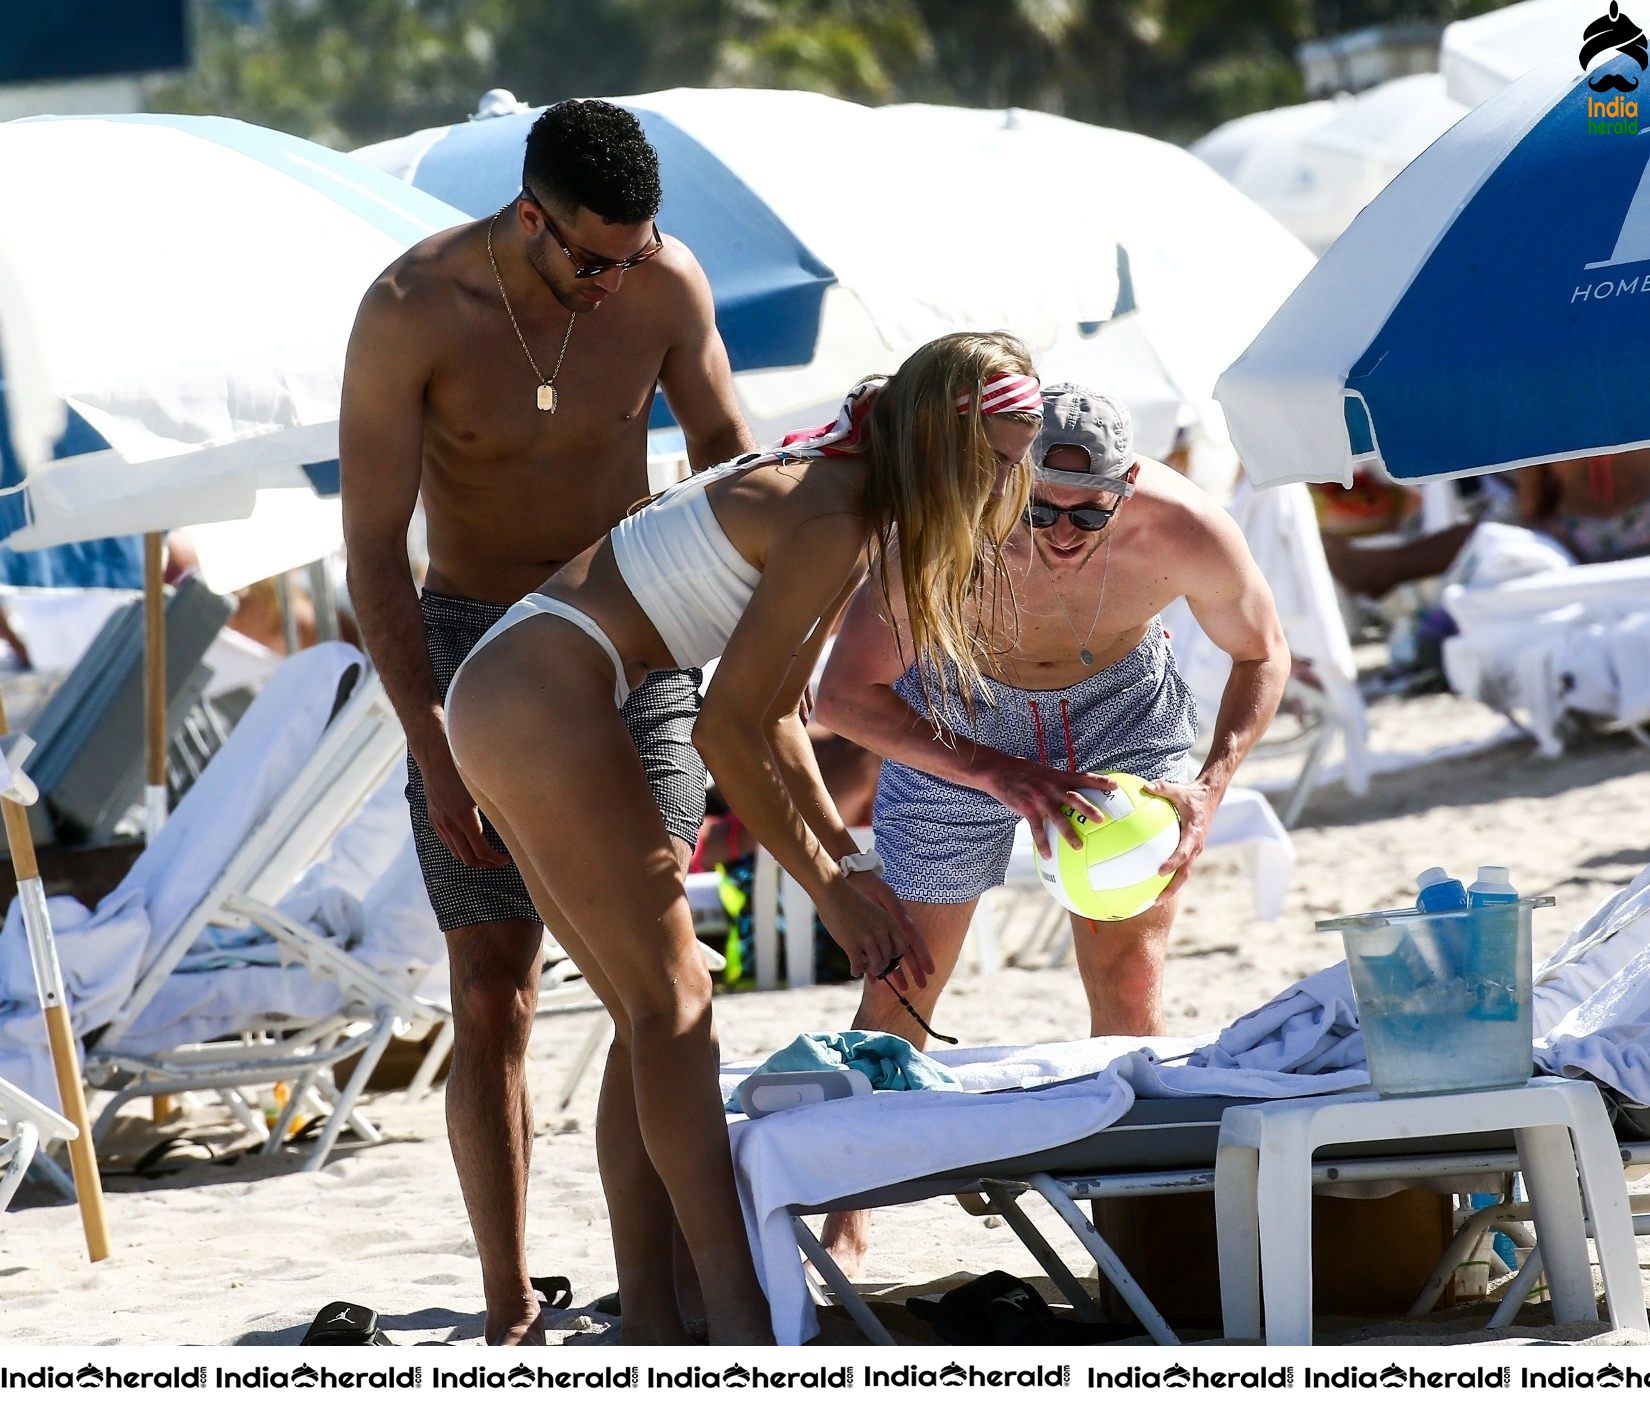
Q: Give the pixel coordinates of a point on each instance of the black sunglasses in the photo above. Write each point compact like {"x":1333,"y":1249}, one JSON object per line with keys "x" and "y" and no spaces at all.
{"x":1086,"y":519}
{"x":911,"y":1009}
{"x":594,"y":270}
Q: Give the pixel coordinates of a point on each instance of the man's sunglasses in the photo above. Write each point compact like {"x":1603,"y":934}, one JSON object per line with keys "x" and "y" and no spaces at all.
{"x":594,"y":270}
{"x":1086,"y":519}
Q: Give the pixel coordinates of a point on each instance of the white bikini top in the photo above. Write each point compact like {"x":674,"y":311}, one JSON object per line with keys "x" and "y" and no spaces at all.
{"x":689,"y":579}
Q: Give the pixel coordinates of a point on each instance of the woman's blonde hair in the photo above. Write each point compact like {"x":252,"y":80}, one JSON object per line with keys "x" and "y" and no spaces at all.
{"x":932,"y":489}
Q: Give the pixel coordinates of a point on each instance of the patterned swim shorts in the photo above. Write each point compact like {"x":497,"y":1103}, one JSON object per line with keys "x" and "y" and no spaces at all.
{"x":659,"y":714}
{"x":946,"y":843}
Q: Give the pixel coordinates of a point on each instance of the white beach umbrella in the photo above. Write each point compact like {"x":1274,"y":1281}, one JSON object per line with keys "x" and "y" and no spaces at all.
{"x":1261,"y":155}
{"x":197,"y":353}
{"x":1369,"y":138}
{"x":1483,"y":313}
{"x":196,"y":344}
{"x":1478,"y":57}
{"x":1201,"y":266}
{"x":1316,"y":165}
{"x":920,"y":242}
{"x":903,"y":243}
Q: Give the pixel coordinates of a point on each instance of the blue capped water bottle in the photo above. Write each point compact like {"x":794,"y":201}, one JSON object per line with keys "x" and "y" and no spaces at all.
{"x":1438,"y":892}
{"x":1493,"y":902}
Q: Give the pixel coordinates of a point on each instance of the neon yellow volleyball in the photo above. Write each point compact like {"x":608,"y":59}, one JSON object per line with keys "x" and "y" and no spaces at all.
{"x":1114,"y":875}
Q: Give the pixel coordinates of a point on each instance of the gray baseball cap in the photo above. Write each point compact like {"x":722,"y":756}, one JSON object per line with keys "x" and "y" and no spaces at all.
{"x":1096,"y":424}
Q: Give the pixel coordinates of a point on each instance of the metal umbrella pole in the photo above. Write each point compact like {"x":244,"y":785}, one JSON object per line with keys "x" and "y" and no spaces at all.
{"x":16,"y":792}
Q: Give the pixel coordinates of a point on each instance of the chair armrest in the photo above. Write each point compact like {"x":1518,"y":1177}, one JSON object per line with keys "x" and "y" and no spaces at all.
{"x":325,"y":959}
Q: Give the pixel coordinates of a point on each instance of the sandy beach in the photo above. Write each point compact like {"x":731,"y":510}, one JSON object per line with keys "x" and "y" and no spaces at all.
{"x":247,"y":1253}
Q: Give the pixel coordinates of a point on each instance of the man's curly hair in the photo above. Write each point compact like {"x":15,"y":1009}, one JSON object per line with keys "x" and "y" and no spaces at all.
{"x":594,"y":154}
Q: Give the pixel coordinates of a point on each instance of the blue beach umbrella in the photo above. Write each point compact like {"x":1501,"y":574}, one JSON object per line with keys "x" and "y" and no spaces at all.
{"x":767,"y":285}
{"x":1489,"y":310}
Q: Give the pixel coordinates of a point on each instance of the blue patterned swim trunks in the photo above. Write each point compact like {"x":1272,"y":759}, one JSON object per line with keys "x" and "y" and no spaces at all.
{"x":946,"y":843}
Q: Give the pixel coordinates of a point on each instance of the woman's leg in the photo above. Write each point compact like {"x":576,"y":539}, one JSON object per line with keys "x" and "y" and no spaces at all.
{"x":639,"y":1209}
{"x":539,"y":741}
{"x":944,"y":927}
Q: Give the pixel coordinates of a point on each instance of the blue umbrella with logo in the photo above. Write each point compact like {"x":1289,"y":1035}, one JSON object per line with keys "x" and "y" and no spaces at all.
{"x":1490,"y":309}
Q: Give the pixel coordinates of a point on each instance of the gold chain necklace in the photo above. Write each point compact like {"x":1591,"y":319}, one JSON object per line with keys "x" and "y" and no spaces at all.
{"x":546,"y":388}
{"x":1083,"y":643}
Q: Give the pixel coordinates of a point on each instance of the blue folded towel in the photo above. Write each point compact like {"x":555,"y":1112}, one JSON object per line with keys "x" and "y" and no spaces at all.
{"x":887,"y":1060}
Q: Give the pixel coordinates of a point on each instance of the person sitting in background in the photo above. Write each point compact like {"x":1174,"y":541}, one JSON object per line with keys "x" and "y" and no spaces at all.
{"x":10,"y":638}
{"x":1597,"y":508}
{"x":258,"y":615}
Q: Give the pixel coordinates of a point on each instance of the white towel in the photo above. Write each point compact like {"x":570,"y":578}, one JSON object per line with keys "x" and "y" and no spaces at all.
{"x":364,"y":895}
{"x":1310,"y":1028}
{"x":816,"y":1154}
{"x":1607,"y":1036}
{"x":1593,"y":955}
{"x":1591,"y":998}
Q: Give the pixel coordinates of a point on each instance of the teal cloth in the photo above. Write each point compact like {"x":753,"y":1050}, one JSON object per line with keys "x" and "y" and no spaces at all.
{"x":887,"y":1060}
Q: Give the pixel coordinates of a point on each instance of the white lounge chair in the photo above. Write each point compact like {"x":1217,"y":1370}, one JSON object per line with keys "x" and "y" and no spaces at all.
{"x":1168,"y":1146}
{"x":350,"y":757}
{"x":26,"y":1127}
{"x":1538,"y":648}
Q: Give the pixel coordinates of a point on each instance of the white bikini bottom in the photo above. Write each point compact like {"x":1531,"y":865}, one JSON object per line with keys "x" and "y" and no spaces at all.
{"x":537,"y":604}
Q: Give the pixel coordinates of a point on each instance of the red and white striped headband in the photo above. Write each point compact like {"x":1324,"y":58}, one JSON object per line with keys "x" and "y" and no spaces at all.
{"x":1004,"y":393}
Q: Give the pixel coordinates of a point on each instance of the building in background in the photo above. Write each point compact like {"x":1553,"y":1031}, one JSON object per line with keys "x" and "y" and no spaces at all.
{"x":86,"y":56}
{"x":1362,"y":58}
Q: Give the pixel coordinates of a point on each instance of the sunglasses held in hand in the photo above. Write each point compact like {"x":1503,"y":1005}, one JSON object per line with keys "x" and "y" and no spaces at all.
{"x":911,"y":1009}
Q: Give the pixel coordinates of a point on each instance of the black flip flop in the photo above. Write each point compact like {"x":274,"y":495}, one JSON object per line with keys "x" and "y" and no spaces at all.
{"x":998,"y":1309}
{"x":345,"y":1324}
{"x":556,"y":1291}
{"x":161,"y":1159}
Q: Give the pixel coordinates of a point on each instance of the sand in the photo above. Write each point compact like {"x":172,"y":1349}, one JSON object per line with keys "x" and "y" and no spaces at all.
{"x":247,"y":1253}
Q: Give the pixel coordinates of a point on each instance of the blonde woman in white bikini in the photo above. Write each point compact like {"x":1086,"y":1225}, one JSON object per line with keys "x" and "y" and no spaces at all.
{"x":752,"y":562}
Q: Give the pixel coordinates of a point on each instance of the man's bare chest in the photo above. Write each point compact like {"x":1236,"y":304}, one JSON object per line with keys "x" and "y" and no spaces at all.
{"x":483,"y":402}
{"x":1054,"y":614}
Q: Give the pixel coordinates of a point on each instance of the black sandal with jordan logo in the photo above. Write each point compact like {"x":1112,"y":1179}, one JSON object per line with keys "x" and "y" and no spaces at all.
{"x":345,"y":1324}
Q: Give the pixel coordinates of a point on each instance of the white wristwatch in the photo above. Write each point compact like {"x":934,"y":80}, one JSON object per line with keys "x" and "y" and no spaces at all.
{"x":868,"y":862}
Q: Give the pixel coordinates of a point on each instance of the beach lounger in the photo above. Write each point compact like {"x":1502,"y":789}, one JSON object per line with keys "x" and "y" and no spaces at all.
{"x":348,"y":760}
{"x":1169,"y":1146}
{"x":319,"y":740}
{"x":88,"y":759}
{"x":26,"y":1127}
{"x":1565,"y":642}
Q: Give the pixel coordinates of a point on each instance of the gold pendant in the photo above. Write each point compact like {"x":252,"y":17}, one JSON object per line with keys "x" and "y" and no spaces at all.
{"x":547,"y":398}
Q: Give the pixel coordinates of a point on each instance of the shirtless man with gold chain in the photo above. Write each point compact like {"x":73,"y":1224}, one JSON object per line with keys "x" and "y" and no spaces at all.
{"x":504,"y":371}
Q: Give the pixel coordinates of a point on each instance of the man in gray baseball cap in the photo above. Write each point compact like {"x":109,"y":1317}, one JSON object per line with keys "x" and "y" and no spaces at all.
{"x":1082,"y":681}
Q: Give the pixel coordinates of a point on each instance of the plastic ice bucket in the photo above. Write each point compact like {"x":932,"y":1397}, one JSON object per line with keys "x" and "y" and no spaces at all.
{"x":1443,"y":997}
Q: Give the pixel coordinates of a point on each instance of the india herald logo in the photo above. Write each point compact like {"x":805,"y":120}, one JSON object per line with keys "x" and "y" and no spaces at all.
{"x":1614,"y":32}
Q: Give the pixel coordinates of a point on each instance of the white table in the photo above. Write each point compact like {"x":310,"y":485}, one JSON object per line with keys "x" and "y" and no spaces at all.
{"x":1263,"y":1194}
